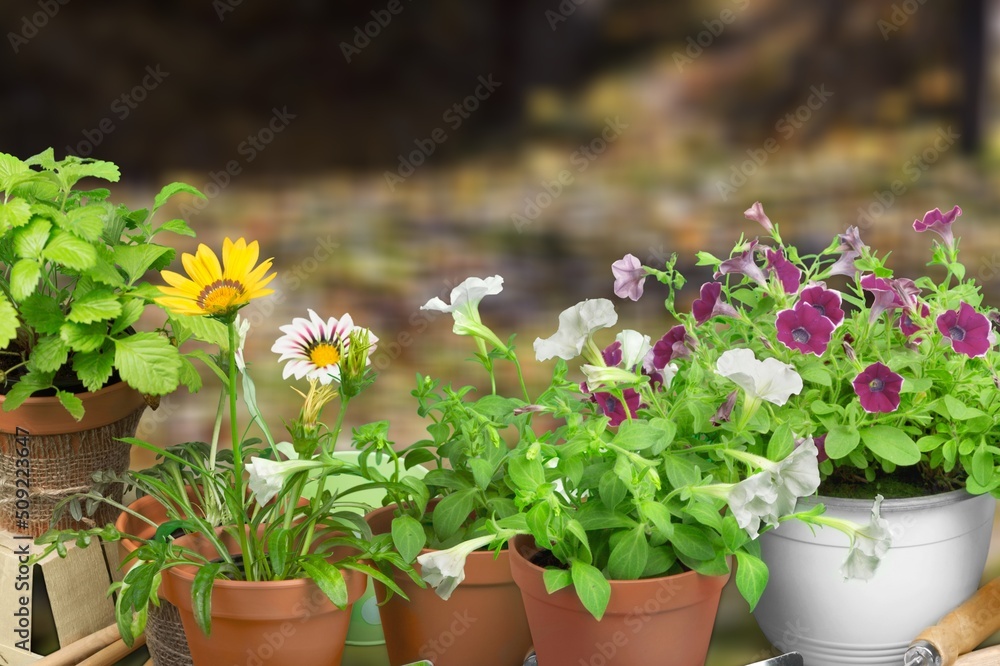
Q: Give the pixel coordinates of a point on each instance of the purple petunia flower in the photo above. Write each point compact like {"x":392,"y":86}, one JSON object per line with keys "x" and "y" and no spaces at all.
{"x":743,"y":264}
{"x":826,"y":301}
{"x":845,"y":264}
{"x":788,"y":274}
{"x":670,"y":346}
{"x":725,"y":410}
{"x":906,"y":324}
{"x":850,"y":240}
{"x":756,"y":213}
{"x":820,"y":443}
{"x":969,"y":331}
{"x":940,"y":223}
{"x":885,"y":297}
{"x":906,"y":293}
{"x":878,"y":388}
{"x":711,"y":304}
{"x":612,"y":354}
{"x":804,"y":328}
{"x":629,"y":277}
{"x":614,"y":408}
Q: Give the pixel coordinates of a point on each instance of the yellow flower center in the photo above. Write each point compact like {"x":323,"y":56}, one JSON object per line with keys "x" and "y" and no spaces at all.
{"x":220,"y":296}
{"x":324,"y":354}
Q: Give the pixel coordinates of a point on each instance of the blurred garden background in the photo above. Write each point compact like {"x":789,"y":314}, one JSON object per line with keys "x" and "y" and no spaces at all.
{"x":384,"y":151}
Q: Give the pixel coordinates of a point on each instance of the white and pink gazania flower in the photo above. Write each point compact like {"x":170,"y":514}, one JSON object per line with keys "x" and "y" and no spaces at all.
{"x":314,"y":348}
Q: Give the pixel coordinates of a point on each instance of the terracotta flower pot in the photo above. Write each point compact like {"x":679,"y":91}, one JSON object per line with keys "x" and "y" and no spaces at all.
{"x":482,"y":622}
{"x":62,"y":455}
{"x":939,"y":548}
{"x":648,"y":622}
{"x":277,"y":623}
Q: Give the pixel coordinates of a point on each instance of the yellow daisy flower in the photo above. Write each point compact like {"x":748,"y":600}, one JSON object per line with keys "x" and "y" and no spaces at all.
{"x":216,"y":290}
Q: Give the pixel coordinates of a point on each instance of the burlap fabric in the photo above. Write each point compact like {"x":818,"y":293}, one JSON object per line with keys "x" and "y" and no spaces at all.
{"x":60,"y":466}
{"x":165,"y":636}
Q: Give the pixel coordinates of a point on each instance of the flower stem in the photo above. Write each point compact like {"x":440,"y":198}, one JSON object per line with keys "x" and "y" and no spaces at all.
{"x":216,"y":430}
{"x":318,"y":497}
{"x":240,"y":515}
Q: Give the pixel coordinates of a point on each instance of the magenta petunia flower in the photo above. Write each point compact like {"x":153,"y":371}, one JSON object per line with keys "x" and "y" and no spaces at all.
{"x":969,"y":331}
{"x":670,"y":346}
{"x":906,"y":293}
{"x":826,"y":301}
{"x":744,"y":264}
{"x":845,"y":264}
{"x":940,"y":223}
{"x":850,"y":240}
{"x":629,"y":277}
{"x":906,"y":324}
{"x":615,"y":409}
{"x":756,"y":213}
{"x":612,"y":354}
{"x":885,"y":297}
{"x":820,"y":443}
{"x":711,"y":304}
{"x":788,"y":274}
{"x":725,"y":410}
{"x":804,"y":328}
{"x":878,"y":388}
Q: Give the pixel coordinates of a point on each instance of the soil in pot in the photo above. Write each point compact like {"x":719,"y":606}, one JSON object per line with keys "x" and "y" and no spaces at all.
{"x":646,"y":620}
{"x":482,"y":622}
{"x":904,"y":482}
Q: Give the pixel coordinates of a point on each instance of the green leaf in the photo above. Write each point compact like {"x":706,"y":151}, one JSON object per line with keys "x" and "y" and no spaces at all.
{"x":279,"y":545}
{"x":148,"y":363}
{"x":782,"y":442}
{"x":556,"y":579}
{"x":30,"y":383}
{"x":328,"y":578}
{"x":172,"y":189}
{"x":636,"y":436}
{"x":751,"y":577}
{"x":202,"y":328}
{"x":30,"y":241}
{"x":681,"y":471}
{"x":733,"y":535}
{"x":592,"y":588}
{"x":104,"y":270}
{"x":72,"y":404}
{"x":131,"y":311}
{"x":916,"y":385}
{"x":982,"y":465}
{"x":526,"y":474}
{"x":14,"y":213}
{"x":408,"y":537}
{"x":74,"y":168}
{"x":707,"y":259}
{"x":190,"y":378}
{"x":537,"y":519}
{"x":816,"y":374}
{"x":83,"y":337}
{"x":840,"y":441}
{"x":69,"y":251}
{"x":87,"y":222}
{"x":24,"y":278}
{"x":98,"y":305}
{"x":135,"y":260}
{"x":49,"y":354}
{"x":660,"y":517}
{"x":201,"y":595}
{"x":628,"y":557}
{"x":452,"y":511}
{"x":959,"y":411}
{"x":11,"y":170}
{"x":176,"y":226}
{"x":705,"y":513}
{"x":611,"y":490}
{"x":8,"y":321}
{"x":95,"y":368}
{"x":482,"y":472}
{"x":891,"y":444}
{"x":930,"y":442}
{"x":42,"y":313}
{"x":691,"y":541}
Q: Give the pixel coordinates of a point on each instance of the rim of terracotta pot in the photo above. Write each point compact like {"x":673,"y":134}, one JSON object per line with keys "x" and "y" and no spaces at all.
{"x":568,"y":598}
{"x":890,"y":505}
{"x":49,"y":417}
{"x":475,"y":573}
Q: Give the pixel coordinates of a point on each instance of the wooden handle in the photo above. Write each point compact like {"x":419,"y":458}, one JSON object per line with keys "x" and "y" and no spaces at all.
{"x":113,"y":653}
{"x":79,"y":650}
{"x":967,"y":626}
{"x":986,"y":657}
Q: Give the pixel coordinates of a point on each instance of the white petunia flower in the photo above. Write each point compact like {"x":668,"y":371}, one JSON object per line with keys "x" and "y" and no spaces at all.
{"x":576,"y":325}
{"x":268,"y":477}
{"x":464,"y":307}
{"x":869,"y":544}
{"x":769,"y":380}
{"x":445,"y":569}
{"x":635,"y":346}
{"x":773,"y":492}
{"x":242,"y":326}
